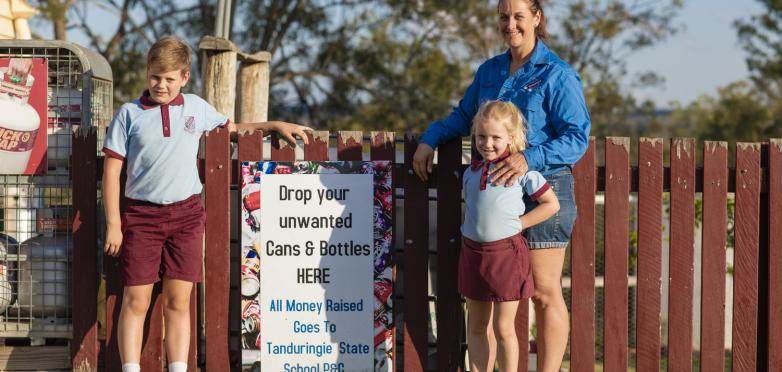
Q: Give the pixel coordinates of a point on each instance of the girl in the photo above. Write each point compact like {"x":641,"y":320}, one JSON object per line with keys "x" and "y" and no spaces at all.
{"x":494,"y":264}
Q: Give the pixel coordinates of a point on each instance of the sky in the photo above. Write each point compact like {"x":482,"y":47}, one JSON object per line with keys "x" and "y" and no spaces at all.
{"x":705,"y":55}
{"x":702,"y":57}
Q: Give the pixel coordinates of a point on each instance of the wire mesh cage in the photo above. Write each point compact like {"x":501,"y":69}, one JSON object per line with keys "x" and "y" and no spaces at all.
{"x":36,"y":212}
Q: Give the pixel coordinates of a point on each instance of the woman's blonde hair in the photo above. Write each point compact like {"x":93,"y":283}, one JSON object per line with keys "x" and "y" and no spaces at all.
{"x":509,"y":115}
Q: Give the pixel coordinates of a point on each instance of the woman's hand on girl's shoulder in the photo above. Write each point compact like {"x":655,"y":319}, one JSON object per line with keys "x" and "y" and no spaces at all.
{"x":508,"y":171}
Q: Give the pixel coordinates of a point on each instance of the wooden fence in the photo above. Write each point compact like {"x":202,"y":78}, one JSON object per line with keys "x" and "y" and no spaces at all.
{"x":757,"y":272}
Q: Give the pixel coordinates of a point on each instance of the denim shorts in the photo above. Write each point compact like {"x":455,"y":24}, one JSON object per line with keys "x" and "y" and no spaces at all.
{"x":554,"y":232}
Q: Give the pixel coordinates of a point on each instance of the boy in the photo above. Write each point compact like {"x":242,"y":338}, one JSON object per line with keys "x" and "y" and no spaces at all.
{"x":162,"y":227}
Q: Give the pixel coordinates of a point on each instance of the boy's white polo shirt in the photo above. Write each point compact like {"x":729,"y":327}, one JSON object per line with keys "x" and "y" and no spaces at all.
{"x":160,"y":144}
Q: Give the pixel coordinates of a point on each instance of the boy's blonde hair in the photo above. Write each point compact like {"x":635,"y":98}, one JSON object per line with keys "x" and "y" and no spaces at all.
{"x":170,"y":54}
{"x":509,"y":115}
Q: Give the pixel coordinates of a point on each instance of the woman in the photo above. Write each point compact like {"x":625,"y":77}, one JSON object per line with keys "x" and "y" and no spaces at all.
{"x":548,"y":92}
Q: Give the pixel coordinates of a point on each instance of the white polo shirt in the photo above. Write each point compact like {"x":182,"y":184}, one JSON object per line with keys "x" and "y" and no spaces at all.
{"x":160,"y":144}
{"x":492,"y":212}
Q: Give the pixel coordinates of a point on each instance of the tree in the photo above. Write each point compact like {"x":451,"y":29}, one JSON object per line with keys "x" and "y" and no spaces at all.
{"x":761,"y":38}
{"x":57,"y":12}
{"x":738,"y":112}
{"x":138,"y":24}
{"x":596,"y":38}
{"x":366,"y":64}
{"x":384,"y":64}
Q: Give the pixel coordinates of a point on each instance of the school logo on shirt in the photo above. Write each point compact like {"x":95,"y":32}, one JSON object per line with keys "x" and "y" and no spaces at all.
{"x":190,"y":124}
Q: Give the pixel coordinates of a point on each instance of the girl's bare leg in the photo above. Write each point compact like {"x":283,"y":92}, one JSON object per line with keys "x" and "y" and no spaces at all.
{"x":505,"y":329}
{"x":479,"y":314}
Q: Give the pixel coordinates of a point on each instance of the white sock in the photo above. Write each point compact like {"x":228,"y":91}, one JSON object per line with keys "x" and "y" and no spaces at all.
{"x":177,"y":367}
{"x":131,"y":367}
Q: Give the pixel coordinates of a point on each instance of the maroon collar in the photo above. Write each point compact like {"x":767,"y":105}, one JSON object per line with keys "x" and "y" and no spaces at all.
{"x":478,"y":163}
{"x":147,"y":102}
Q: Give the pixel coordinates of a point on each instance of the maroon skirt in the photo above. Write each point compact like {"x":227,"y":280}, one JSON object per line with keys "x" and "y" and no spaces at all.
{"x":496,"y":271}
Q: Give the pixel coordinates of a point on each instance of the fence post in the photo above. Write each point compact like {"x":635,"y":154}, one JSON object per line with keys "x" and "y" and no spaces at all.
{"x":84,"y":346}
{"x":253,"y":87}
{"x":416,"y":265}
{"x":318,"y":147}
{"x":775,"y":255}
{"x":219,"y":82}
{"x":252,"y":97}
{"x":219,"y":73}
{"x":450,"y":319}
{"x":715,"y":222}
{"x":617,"y":215}
{"x":650,"y":222}
{"x":745,"y":273}
{"x":582,"y":258}
{"x":682,"y":239}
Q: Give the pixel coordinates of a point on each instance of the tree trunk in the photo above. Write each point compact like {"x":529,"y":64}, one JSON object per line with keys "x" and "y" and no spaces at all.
{"x":59,"y":28}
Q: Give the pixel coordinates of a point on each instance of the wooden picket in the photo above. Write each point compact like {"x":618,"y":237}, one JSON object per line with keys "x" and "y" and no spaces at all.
{"x":650,"y":205}
{"x":448,"y":308}
{"x":775,"y":255}
{"x":715,"y":228}
{"x":617,"y":213}
{"x":217,"y":242}
{"x":682,"y":240}
{"x":745,"y":268}
{"x":416,"y":265}
{"x":85,"y":233}
{"x":582,"y":265}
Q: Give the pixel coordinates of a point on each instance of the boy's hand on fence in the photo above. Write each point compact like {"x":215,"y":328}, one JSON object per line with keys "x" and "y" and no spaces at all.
{"x":422,"y":161}
{"x":289,"y":132}
{"x":508,"y":171}
{"x":113,"y":241}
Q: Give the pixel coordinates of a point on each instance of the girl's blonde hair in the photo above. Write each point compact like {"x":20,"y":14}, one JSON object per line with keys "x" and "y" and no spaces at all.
{"x":509,"y":116}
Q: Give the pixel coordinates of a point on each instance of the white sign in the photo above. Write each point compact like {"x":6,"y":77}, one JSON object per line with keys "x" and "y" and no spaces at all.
{"x":316,"y":249}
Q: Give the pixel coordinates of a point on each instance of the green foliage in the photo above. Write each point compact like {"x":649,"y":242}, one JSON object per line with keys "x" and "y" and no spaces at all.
{"x":761,"y":38}
{"x":739,"y":112}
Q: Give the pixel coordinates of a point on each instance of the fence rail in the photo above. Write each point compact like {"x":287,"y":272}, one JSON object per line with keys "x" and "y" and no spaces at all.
{"x":757,"y":276}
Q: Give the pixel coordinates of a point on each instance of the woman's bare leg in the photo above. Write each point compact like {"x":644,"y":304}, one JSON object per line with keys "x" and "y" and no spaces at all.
{"x":550,"y":308}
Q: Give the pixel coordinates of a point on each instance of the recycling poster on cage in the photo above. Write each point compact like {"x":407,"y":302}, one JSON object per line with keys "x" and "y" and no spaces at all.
{"x":23,"y":104}
{"x":316,"y":275}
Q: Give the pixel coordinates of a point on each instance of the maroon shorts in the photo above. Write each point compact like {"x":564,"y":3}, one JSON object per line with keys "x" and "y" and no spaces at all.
{"x":162,"y":240}
{"x":496,"y":271}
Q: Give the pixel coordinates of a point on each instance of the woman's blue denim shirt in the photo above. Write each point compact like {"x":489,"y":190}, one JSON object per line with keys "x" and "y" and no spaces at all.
{"x":546,"y":90}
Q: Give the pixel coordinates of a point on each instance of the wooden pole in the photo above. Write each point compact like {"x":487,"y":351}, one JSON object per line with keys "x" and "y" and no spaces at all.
{"x":219,"y":73}
{"x":252,"y":91}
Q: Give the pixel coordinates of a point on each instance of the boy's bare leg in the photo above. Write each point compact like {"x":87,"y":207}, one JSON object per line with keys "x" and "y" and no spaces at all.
{"x":505,"y":330}
{"x":177,"y":316}
{"x":130,"y":332}
{"x":479,"y":314}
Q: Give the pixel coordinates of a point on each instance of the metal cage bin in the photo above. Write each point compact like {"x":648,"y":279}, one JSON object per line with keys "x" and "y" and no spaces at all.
{"x":36,"y":213}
